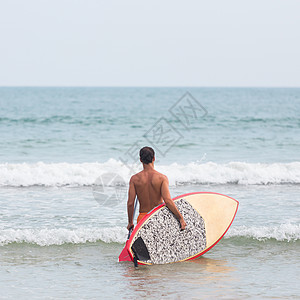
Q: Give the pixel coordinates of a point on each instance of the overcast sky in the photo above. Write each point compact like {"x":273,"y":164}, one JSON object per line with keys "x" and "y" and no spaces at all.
{"x":149,"y":43}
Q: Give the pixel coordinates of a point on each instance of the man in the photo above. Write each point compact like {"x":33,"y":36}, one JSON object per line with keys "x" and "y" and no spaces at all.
{"x":151,"y":188}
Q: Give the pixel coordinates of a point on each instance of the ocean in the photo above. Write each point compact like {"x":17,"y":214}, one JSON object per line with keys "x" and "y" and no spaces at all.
{"x":67,"y":155}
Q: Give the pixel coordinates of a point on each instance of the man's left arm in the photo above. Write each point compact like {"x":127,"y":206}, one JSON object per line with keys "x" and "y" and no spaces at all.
{"x":130,"y":203}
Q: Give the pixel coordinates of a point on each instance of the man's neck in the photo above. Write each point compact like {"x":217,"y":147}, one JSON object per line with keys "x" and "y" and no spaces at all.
{"x":148,"y":167}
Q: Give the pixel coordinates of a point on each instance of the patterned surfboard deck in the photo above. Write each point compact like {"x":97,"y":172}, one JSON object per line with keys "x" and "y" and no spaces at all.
{"x":162,"y":238}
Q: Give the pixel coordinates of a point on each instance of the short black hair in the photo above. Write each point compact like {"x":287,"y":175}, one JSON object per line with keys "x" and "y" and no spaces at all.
{"x":147,"y":155}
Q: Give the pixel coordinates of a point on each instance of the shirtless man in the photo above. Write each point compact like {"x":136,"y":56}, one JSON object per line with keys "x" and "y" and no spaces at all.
{"x":151,"y":188}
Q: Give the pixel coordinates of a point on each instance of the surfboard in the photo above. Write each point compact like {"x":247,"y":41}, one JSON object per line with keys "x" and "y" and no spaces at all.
{"x":157,"y":238}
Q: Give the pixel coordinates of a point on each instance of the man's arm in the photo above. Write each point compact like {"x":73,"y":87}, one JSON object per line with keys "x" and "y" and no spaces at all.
{"x":165,"y":192}
{"x":130,"y":203}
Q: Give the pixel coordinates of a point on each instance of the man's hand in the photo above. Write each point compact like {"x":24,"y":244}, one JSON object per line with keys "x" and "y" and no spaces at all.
{"x":182,"y":224}
{"x":130,"y":225}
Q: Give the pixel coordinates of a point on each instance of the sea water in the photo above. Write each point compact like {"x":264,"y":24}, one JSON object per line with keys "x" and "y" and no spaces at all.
{"x":67,"y":155}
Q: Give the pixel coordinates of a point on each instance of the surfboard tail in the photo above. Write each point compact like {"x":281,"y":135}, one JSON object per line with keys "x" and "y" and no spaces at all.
{"x":125,"y":256}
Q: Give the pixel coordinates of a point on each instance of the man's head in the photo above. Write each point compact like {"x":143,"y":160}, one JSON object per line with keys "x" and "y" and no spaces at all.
{"x":147,"y":155}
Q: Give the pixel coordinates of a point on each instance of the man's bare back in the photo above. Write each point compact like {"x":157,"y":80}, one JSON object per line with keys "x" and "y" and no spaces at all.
{"x":151,"y":188}
{"x":147,"y":184}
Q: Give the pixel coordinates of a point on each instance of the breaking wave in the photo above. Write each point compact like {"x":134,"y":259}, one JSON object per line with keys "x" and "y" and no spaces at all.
{"x":282,"y":232}
{"x":85,"y":174}
{"x":60,"y":236}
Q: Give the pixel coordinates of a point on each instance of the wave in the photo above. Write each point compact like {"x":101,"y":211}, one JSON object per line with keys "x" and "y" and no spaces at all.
{"x":60,"y":236}
{"x":88,"y":174}
{"x":65,"y":119}
{"x":283,"y":232}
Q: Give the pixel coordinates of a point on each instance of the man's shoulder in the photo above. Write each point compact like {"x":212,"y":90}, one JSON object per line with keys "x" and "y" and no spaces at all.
{"x":135,"y":176}
{"x":161,"y":175}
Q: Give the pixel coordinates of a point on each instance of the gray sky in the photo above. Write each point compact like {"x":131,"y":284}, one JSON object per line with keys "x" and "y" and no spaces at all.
{"x":149,"y":43}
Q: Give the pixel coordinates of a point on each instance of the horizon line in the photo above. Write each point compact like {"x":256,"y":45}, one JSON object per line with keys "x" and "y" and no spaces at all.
{"x":139,"y":86}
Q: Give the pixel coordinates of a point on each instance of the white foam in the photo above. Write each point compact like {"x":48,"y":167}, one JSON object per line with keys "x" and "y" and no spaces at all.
{"x":282,"y":232}
{"x":234,"y":172}
{"x":60,"y":174}
{"x":47,"y":237}
{"x":60,"y":236}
